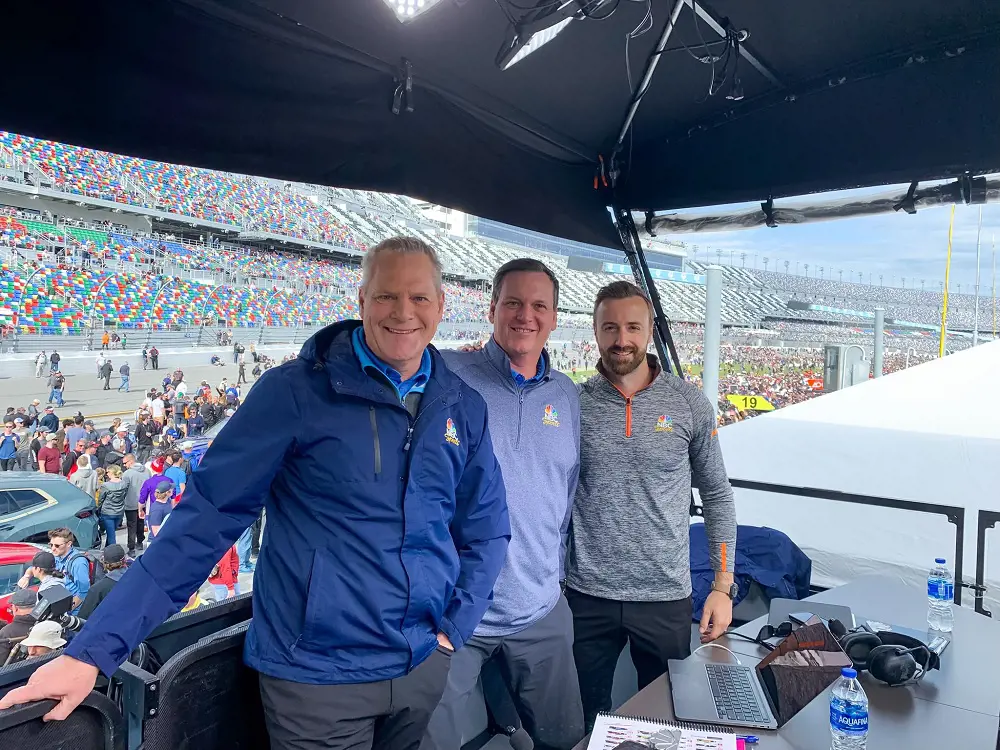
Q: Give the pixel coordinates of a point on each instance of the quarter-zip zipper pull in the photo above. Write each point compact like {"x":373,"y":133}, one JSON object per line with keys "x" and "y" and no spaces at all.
{"x":409,"y":438}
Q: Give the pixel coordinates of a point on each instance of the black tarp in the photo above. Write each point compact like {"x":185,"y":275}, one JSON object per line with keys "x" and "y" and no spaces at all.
{"x":868,"y":92}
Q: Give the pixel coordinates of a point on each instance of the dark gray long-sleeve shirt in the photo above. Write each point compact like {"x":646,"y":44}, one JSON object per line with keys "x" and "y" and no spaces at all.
{"x":629,"y":532}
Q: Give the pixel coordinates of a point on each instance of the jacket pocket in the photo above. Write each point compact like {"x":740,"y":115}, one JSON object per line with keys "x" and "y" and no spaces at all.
{"x":375,"y":440}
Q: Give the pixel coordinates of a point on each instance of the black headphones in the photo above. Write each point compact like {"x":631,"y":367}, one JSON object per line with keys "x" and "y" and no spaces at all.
{"x":893,"y":658}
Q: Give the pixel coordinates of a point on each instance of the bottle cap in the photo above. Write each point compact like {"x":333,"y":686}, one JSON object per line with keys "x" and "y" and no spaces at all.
{"x":940,"y":560}
{"x":849,"y":673}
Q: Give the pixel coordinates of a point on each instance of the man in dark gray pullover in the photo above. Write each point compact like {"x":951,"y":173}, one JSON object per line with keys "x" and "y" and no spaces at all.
{"x":645,"y":435}
{"x":534,"y":426}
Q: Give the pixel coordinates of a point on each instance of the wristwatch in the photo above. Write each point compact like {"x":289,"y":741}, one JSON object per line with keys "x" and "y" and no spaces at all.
{"x":731,"y":592}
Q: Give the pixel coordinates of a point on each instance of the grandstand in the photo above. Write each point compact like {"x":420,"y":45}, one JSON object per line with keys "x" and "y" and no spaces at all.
{"x":206,"y":255}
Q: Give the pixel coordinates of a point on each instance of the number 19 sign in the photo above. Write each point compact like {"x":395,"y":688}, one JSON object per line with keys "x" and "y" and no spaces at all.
{"x":751,"y":403}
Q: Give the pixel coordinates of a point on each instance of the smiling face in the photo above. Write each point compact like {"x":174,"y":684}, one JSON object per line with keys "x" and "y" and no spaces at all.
{"x":624,"y":331}
{"x":524,"y":314}
{"x":401,"y":307}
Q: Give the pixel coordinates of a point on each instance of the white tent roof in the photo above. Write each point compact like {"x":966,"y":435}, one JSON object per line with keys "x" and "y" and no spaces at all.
{"x":926,"y":434}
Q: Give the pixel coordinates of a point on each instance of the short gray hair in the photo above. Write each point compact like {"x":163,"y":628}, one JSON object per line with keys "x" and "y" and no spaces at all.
{"x":400,"y":245}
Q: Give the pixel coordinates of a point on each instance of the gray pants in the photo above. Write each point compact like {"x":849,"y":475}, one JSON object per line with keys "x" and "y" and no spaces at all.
{"x":386,"y":715}
{"x":538,"y":665}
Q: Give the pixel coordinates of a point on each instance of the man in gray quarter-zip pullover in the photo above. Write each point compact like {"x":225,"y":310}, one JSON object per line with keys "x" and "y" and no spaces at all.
{"x":534,"y":425}
{"x":645,"y":435}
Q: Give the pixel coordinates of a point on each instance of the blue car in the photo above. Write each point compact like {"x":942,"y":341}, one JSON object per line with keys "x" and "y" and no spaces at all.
{"x":32,"y":503}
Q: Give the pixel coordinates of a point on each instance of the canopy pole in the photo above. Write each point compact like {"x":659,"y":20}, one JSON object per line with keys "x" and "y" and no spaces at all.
{"x":879,"y":351}
{"x":994,"y":244}
{"x":975,"y":322}
{"x":636,"y":257}
{"x":944,"y":296}
{"x":713,"y":335}
{"x":647,"y":75}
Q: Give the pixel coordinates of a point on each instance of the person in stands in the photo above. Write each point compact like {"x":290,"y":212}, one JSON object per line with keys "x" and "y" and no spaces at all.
{"x":72,"y":564}
{"x":9,"y":443}
{"x":22,"y":602}
{"x":43,"y":638}
{"x":115,"y":564}
{"x":404,"y":532}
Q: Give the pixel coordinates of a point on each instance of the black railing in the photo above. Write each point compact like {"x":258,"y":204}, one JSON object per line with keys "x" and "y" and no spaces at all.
{"x":953,"y":513}
{"x":987,"y":520}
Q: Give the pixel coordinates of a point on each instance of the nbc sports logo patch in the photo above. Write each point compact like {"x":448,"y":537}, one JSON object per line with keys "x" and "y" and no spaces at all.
{"x":450,"y":433}
{"x":664,"y":424}
{"x":550,"y":416}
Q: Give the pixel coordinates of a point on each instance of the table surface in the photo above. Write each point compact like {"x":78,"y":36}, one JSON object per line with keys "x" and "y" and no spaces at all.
{"x":956,"y":706}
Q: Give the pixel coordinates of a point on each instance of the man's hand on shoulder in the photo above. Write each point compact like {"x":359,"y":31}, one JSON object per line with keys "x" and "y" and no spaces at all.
{"x":64,"y":679}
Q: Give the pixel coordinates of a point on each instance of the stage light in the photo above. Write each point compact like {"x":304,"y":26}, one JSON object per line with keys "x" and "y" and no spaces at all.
{"x":406,"y":10}
{"x":534,"y":42}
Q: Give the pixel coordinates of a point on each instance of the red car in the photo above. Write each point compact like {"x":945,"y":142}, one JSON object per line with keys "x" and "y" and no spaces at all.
{"x":15,"y":558}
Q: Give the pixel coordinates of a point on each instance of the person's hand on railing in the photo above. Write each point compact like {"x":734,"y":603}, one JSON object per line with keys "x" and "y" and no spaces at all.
{"x":64,"y":679}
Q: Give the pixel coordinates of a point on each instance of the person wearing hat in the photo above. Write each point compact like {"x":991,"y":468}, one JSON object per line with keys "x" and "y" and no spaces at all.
{"x":49,"y":458}
{"x":121,"y":442}
{"x":50,"y":420}
{"x":115,"y":563}
{"x":161,"y":506}
{"x":42,"y":569}
{"x":33,"y":411}
{"x":92,"y":434}
{"x":43,"y":638}
{"x":22,"y":602}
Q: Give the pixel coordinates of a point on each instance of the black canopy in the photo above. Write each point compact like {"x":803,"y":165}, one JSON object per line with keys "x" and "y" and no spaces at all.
{"x":847,"y":93}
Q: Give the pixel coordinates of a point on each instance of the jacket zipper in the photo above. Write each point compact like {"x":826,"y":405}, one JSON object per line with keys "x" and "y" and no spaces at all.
{"x":628,"y":417}
{"x":378,"y":447}
{"x":520,"y":408}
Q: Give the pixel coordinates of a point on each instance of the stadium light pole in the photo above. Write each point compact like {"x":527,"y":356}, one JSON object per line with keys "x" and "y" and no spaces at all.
{"x":712,"y":336}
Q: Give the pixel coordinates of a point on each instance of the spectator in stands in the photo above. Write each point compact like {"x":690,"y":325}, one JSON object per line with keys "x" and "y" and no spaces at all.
{"x":225,"y":576}
{"x":318,"y":677}
{"x":49,"y":421}
{"x":49,"y":457}
{"x":114,"y":563}
{"x":125,"y":371}
{"x":9,"y":443}
{"x":72,"y":563}
{"x":22,"y":602}
{"x":106,"y":369}
{"x":134,"y":477}
{"x":160,"y":507}
{"x":44,"y":637}
{"x":85,"y":477}
{"x":529,"y":626}
{"x":112,"y":495}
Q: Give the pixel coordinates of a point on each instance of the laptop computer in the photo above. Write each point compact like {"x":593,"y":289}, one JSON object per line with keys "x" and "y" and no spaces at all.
{"x":716,"y":693}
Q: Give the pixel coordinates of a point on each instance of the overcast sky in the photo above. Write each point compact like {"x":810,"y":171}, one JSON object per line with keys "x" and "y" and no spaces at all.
{"x":897,"y":245}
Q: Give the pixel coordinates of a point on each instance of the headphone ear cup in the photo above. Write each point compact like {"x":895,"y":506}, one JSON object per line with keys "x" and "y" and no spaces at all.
{"x":885,"y":663}
{"x":858,"y":647}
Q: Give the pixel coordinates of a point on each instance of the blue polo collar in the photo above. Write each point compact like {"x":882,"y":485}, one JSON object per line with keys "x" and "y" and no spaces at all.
{"x":370,"y":362}
{"x":496,"y":353}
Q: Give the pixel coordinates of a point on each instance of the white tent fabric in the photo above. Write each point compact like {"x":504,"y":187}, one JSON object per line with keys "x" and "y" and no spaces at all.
{"x":926,"y":434}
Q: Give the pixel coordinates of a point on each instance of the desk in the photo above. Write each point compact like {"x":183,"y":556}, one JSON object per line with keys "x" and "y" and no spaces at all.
{"x":955,"y":707}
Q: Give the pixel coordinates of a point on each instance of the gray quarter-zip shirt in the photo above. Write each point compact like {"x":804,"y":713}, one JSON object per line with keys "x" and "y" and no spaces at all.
{"x":535,"y":428}
{"x":629,"y":537}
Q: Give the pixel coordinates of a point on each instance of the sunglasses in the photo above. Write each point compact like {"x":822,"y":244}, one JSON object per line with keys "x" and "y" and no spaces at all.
{"x":765,"y":634}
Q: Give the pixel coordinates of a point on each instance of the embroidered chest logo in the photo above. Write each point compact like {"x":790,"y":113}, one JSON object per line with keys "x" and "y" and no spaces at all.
{"x":664,"y":424}
{"x":450,"y":433}
{"x":550,"y":416}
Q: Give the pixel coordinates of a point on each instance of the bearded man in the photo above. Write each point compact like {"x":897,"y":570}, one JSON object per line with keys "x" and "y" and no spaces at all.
{"x":645,"y":434}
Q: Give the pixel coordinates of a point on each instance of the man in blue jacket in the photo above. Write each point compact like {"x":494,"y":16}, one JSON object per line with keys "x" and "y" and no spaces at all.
{"x":386,"y":528}
{"x":535,"y":427}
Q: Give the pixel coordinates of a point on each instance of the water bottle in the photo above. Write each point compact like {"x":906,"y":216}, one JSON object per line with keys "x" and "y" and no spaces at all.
{"x":848,"y":713}
{"x":940,"y":593}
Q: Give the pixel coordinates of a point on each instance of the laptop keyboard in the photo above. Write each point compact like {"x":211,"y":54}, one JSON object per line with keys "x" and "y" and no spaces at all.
{"x":735,"y":697}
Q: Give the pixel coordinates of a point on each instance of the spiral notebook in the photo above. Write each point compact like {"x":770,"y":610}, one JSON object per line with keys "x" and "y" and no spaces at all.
{"x":610,"y":730}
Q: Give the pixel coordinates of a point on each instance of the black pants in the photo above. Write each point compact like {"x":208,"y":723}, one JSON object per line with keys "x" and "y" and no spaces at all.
{"x":386,"y":715}
{"x":8,"y":464}
{"x":136,"y":529}
{"x":156,"y":363}
{"x":655,"y":631}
